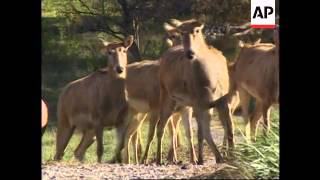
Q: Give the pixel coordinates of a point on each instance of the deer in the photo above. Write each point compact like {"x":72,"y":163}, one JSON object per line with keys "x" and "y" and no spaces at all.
{"x":255,"y":73}
{"x":143,"y":96}
{"x":173,"y":38}
{"x":95,"y":101}
{"x":44,"y":117}
{"x":193,"y":74}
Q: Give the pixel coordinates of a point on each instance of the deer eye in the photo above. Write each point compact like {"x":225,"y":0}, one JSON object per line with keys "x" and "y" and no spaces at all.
{"x":197,"y":31}
{"x":124,"y":51}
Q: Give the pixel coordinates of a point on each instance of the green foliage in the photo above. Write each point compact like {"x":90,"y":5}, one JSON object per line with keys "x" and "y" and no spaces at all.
{"x":260,"y":160}
{"x":220,"y":11}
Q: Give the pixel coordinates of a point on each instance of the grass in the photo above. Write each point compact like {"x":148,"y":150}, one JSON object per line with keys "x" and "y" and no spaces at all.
{"x":259,"y":160}
{"x":48,"y":146}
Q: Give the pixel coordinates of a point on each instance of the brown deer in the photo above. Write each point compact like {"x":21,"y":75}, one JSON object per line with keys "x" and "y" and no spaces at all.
{"x":194,"y":75}
{"x":255,"y":73}
{"x":173,"y":38}
{"x":93,"y":102}
{"x":135,"y":85}
{"x":143,"y":96}
{"x":143,"y":93}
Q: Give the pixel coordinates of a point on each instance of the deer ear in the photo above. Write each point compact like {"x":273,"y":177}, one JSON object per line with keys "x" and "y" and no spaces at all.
{"x":175,"y":22}
{"x":201,"y":26}
{"x":257,"y":41}
{"x":128,"y":41}
{"x":168,"y":27}
{"x":241,"y":44}
{"x":104,"y":42}
{"x":169,"y":42}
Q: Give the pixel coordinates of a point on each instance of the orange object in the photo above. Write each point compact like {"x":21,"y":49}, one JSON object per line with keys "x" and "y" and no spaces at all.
{"x":44,"y":114}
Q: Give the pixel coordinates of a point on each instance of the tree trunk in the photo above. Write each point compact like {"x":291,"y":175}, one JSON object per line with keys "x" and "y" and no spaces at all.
{"x":134,"y":50}
{"x":103,"y":12}
{"x":128,"y":27}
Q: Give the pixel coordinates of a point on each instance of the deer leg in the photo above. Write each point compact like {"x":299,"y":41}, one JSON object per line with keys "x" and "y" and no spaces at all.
{"x":99,"y":135}
{"x":200,"y":137}
{"x":186,"y":120}
{"x":225,"y":117}
{"x":176,"y":123}
{"x":63,"y":136}
{"x":139,"y":142}
{"x":136,"y":141}
{"x":166,"y":109}
{"x":135,"y":145}
{"x":132,"y":128}
{"x":152,"y":130}
{"x":203,"y":118}
{"x":120,"y":135}
{"x":257,"y":114}
{"x":124,"y":116}
{"x":86,"y":141}
{"x":172,"y":155}
{"x":244,"y":102}
{"x":266,"y":119}
{"x":139,"y":146}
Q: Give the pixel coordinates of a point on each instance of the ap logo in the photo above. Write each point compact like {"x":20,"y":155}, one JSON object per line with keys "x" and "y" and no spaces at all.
{"x":263,"y":13}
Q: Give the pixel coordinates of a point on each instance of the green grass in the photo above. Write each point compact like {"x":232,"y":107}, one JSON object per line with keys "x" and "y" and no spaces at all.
{"x":261,"y":159}
{"x":258,"y":160}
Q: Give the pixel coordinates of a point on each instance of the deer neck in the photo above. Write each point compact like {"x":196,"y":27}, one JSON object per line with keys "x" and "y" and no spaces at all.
{"x":120,"y":79}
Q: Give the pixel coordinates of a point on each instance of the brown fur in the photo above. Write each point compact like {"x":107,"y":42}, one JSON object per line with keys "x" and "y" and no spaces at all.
{"x":198,"y":82}
{"x":143,"y":92}
{"x":256,"y":74}
{"x":142,"y":86}
{"x":150,"y":95}
{"x":96,"y":101}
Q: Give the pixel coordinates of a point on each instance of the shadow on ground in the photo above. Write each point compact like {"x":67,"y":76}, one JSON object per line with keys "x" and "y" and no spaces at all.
{"x":223,"y":173}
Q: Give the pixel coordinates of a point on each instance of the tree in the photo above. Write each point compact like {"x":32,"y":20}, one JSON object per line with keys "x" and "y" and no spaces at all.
{"x":120,"y":18}
{"x":111,"y":16}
